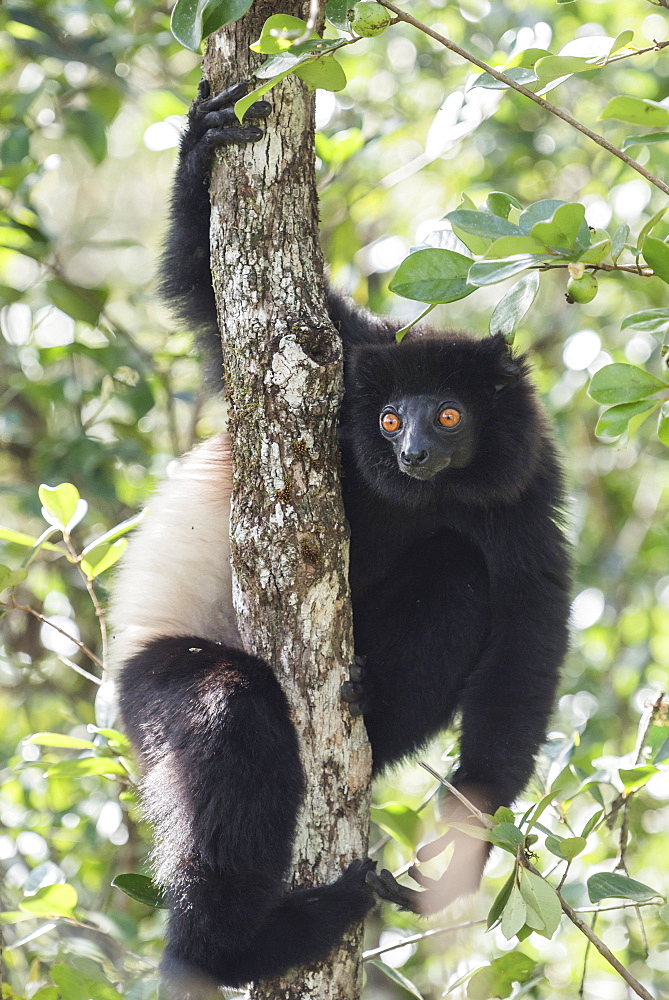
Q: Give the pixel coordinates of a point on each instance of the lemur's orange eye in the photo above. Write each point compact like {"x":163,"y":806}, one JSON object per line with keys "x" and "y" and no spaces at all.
{"x":449,"y":417}
{"x":391,"y":422}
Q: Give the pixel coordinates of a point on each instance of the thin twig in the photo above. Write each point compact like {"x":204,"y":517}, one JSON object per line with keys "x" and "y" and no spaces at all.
{"x":655,"y":47}
{"x":45,"y":621}
{"x":80,"y":670}
{"x":458,"y":794}
{"x":415,"y":938}
{"x":605,"y":952}
{"x":546,"y":105}
{"x":88,"y":583}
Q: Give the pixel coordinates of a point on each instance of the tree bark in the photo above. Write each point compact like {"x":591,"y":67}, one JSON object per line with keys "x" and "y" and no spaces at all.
{"x":289,"y":538}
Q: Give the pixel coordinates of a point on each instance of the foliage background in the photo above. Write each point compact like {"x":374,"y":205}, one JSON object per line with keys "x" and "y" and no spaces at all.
{"x":99,"y":389}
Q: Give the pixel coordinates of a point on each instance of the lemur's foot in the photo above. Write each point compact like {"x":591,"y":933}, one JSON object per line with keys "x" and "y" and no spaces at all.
{"x":212,"y":124}
{"x":353,"y":690}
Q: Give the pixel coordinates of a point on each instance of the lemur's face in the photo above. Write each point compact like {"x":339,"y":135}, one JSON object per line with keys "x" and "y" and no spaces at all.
{"x":428,"y":433}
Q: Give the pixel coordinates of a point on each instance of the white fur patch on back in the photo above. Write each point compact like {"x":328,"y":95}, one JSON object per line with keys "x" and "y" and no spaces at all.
{"x":174,"y":578}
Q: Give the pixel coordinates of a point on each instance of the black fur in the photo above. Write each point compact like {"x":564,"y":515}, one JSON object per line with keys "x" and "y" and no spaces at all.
{"x":460,"y":599}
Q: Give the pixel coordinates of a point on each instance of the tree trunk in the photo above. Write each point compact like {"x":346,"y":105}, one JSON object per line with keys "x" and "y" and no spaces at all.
{"x":289,"y":540}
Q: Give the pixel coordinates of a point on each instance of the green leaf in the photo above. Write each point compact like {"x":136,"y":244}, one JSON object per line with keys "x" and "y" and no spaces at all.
{"x":116,"y":532}
{"x":542,"y":898}
{"x":614,"y":421}
{"x":553,"y":67}
{"x":604,"y":885}
{"x":511,"y":308}
{"x":637,"y":111}
{"x":514,"y":915}
{"x":566,"y":848}
{"x":20,"y":538}
{"x":508,"y":836}
{"x":83,"y":304}
{"x":433,"y":275}
{"x":539,"y":211}
{"x":102,"y":557}
{"x":655,"y":321}
{"x":663,"y":434}
{"x":634,"y":778}
{"x":80,"y":979}
{"x":501,"y":899}
{"x":485,"y":272}
{"x":396,"y":977}
{"x":336,"y":13}
{"x":51,"y":901}
{"x":500,"y":203}
{"x":656,"y":254}
{"x":503,"y":815}
{"x":473,"y":830}
{"x":188,"y":17}
{"x":497,"y":979}
{"x":517,"y":73}
{"x":563,"y":228}
{"x":597,"y":252}
{"x":141,"y":888}
{"x":639,"y":140}
{"x":476,"y":244}
{"x":11,"y":577}
{"x":86,"y":766}
{"x":60,"y":502}
{"x":621,"y":41}
{"x":298,"y":54}
{"x":399,"y":821}
{"x":59,"y":740}
{"x":512,"y":246}
{"x":618,"y":241}
{"x":482,"y":224}
{"x":620,"y":383}
{"x":324,"y":73}
{"x":243,"y":105}
{"x":269,"y":43}
{"x":592,"y":823}
{"x":650,"y":225}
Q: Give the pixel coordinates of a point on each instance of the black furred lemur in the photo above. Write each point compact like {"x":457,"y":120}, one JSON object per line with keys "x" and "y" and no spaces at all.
{"x":459,"y":581}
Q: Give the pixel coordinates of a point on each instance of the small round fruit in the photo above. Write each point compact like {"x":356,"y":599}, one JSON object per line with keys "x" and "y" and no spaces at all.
{"x":368,"y":18}
{"x":582,"y":289}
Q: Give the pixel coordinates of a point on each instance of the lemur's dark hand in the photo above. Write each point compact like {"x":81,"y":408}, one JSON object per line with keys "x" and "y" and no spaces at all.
{"x":212,"y":124}
{"x":353,"y":691}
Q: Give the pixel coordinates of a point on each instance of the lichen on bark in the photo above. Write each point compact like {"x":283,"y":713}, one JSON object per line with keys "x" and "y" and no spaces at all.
{"x":289,"y":537}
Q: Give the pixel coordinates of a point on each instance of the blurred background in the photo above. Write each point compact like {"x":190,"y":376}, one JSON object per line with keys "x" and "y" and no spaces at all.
{"x":98,"y":388}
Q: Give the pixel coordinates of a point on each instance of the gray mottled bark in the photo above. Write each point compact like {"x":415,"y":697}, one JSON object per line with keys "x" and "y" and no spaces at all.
{"x":289,"y":544}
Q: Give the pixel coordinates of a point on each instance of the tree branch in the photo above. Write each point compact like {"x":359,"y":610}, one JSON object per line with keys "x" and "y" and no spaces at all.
{"x":546,"y":105}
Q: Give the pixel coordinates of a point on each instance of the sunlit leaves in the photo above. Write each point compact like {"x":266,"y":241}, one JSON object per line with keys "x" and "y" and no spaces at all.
{"x":637,"y":111}
{"x":399,"y":821}
{"x":62,"y":506}
{"x":51,"y":901}
{"x":278,"y":34}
